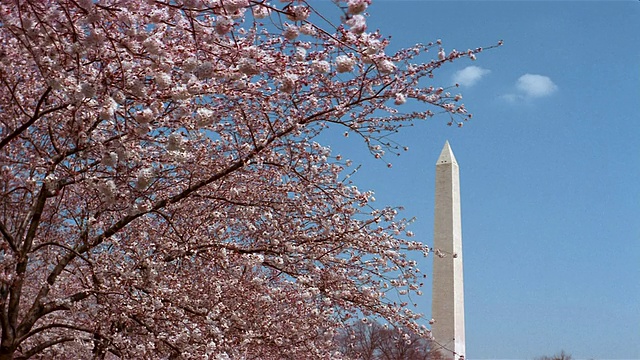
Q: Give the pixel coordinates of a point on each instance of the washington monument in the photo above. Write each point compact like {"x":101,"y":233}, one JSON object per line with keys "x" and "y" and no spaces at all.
{"x":447,"y":307}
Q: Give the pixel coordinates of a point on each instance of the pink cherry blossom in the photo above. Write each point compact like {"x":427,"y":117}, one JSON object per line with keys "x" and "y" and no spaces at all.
{"x":261,"y":12}
{"x":298,"y":13}
{"x":291,"y":32}
{"x":321,"y":66}
{"x":344,"y":63}
{"x":357,"y":24}
{"x":165,"y":185}
{"x":400,"y":99}
{"x":358,"y":6}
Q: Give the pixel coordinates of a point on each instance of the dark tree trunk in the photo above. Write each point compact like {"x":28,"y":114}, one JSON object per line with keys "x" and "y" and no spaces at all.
{"x":6,"y":353}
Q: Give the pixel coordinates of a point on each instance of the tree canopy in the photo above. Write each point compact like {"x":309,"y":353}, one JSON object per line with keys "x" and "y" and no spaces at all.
{"x":163,"y":193}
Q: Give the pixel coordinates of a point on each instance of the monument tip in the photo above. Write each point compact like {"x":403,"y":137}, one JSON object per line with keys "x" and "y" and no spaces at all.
{"x":446,"y":156}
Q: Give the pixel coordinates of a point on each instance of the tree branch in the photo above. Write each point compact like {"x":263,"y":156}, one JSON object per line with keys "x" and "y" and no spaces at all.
{"x":37,"y":114}
{"x":39,"y":348}
{"x":53,"y":326}
{"x":8,"y":237}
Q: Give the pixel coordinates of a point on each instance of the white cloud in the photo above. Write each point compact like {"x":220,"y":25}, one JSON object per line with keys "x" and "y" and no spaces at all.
{"x":534,"y":86}
{"x":469,"y":76}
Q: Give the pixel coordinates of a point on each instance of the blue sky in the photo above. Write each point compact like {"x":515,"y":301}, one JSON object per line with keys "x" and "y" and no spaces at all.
{"x":550,"y":170}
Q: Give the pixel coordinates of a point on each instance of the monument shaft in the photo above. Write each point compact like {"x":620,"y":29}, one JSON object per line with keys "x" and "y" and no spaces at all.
{"x":448,"y":288}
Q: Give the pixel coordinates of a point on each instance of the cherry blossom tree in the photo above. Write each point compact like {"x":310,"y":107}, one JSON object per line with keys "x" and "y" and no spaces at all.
{"x":163,"y":191}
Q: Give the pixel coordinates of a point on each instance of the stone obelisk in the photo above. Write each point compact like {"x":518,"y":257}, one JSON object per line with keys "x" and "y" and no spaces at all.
{"x":447,"y":307}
